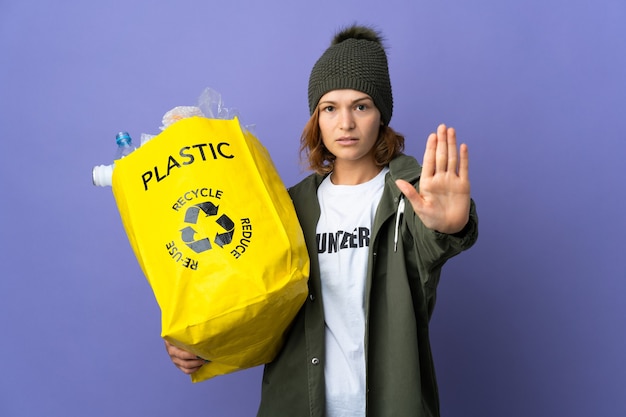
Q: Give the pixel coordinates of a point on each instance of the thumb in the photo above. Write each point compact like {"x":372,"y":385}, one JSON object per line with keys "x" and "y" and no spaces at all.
{"x":411,"y":194}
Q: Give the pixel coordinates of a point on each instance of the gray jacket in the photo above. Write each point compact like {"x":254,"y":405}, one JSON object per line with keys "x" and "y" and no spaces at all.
{"x":405,"y":261}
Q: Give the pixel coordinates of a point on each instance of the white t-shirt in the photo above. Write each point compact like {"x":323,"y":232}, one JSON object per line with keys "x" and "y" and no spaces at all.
{"x":343,"y":237}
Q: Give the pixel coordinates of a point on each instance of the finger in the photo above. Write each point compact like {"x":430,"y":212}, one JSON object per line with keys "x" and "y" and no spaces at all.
{"x":428,"y":164}
{"x":176,"y":352}
{"x":452,"y":150}
{"x":415,"y":199}
{"x":189,"y":367}
{"x":188,"y":363}
{"x":442,"y":149}
{"x":464,"y":163}
{"x":407,"y":189}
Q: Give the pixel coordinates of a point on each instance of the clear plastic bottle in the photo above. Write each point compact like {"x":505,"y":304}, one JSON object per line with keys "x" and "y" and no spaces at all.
{"x":102,"y":175}
{"x":124,"y":145}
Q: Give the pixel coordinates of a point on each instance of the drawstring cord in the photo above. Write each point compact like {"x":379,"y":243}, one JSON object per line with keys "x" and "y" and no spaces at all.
{"x":399,"y":214}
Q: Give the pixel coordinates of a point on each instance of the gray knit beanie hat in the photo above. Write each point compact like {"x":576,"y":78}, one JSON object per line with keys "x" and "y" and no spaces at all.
{"x":356,"y":60}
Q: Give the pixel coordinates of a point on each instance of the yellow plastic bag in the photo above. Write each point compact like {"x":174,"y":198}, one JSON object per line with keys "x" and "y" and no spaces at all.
{"x":217,"y":237}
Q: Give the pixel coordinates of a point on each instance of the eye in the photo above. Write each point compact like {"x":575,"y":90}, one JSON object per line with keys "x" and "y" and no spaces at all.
{"x":328,"y":109}
{"x":362,"y":107}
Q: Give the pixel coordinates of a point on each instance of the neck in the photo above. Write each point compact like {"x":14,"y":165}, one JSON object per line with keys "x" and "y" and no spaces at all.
{"x":352,"y":175}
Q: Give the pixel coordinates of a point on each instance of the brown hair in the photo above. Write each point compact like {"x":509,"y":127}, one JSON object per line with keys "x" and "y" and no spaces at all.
{"x":388,"y":145}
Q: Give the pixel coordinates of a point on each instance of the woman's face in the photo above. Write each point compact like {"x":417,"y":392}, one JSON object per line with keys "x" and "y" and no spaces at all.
{"x":349,"y":123}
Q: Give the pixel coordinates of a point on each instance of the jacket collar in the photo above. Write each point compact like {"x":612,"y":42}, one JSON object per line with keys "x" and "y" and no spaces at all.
{"x":401,"y":167}
{"x":405,"y":167}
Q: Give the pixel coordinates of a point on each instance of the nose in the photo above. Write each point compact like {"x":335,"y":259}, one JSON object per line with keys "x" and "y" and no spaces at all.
{"x":346,"y":120}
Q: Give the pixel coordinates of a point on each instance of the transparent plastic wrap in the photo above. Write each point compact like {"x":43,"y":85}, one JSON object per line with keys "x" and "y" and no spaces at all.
{"x":210,"y":105}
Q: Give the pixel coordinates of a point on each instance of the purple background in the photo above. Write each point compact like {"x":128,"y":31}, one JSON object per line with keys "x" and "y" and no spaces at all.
{"x":530,"y":322}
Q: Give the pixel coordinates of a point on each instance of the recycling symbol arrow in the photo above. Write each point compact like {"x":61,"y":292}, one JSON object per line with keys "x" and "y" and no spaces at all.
{"x":188,"y":233}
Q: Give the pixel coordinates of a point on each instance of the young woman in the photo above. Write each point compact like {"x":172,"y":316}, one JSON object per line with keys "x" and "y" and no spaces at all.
{"x":379,"y":228}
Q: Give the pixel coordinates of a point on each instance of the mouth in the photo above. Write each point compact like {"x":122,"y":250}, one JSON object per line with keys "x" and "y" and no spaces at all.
{"x":346,"y":140}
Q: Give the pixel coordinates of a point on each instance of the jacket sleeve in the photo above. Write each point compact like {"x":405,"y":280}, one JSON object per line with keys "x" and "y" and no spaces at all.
{"x":436,"y":248}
